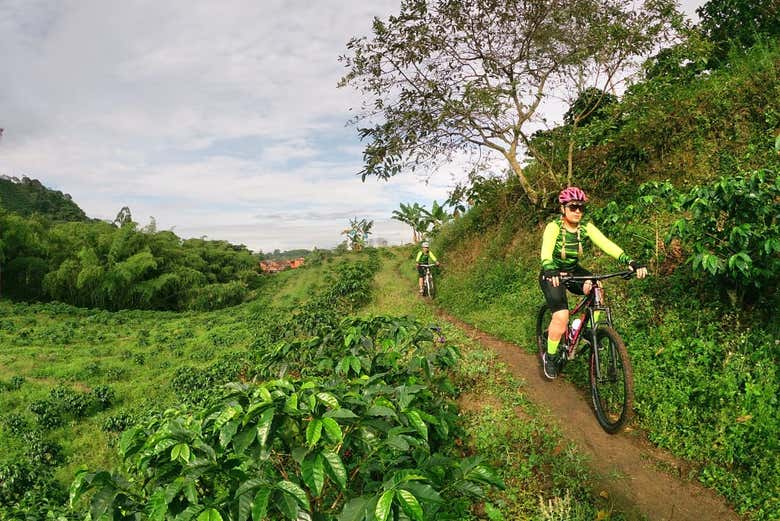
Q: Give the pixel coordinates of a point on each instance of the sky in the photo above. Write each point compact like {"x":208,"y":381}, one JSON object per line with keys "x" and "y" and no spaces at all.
{"x":217,"y":119}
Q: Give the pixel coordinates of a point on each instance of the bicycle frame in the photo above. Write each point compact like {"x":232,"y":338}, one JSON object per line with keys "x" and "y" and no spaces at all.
{"x":584,"y":310}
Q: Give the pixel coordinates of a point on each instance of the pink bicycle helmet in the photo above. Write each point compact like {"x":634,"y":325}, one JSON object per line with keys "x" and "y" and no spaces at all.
{"x":572,"y":193}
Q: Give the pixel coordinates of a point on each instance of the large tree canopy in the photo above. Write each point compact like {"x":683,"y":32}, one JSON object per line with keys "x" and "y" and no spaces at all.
{"x":450,"y":76}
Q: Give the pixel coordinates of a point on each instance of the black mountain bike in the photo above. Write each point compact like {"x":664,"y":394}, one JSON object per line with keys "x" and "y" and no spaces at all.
{"x":429,"y":290}
{"x":611,"y":379}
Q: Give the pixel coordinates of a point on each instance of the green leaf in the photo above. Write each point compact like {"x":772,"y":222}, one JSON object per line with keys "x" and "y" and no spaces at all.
{"x":423,"y":491}
{"x":210,"y":515}
{"x":288,"y":506}
{"x":291,"y":404}
{"x":340,"y":413}
{"x":354,"y":510}
{"x":417,"y":422}
{"x":380,"y":410}
{"x":130,"y":441}
{"x":328,"y":399}
{"x":248,"y":486}
{"x":244,"y":506}
{"x":313,"y":473}
{"x":398,"y":442}
{"x":384,"y":505}
{"x":158,"y":505}
{"x":486,"y":475}
{"x":244,"y":439}
{"x":264,"y":426}
{"x":313,"y":432}
{"x":227,"y":432}
{"x":180,"y":451}
{"x":227,"y":414}
{"x":335,"y":468}
{"x":410,"y":504}
{"x":332,"y":429}
{"x":260,"y":504}
{"x":288,"y":487}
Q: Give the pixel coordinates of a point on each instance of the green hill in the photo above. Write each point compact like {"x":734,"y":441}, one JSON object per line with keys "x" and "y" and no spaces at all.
{"x":682,"y":173}
{"x":27,"y":196}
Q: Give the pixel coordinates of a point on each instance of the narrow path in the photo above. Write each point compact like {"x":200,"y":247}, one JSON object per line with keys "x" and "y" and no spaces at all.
{"x":628,"y":468}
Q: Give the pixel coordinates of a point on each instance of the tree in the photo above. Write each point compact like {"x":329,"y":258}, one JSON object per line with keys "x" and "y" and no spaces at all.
{"x":413,"y":216}
{"x":736,"y":24}
{"x":358,"y":232}
{"x":460,"y":76}
{"x":436,"y":217}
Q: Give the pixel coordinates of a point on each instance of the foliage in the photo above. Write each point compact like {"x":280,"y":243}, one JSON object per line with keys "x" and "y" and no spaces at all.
{"x":734,"y":232}
{"x":371,"y":446}
{"x":358,"y":232}
{"x":412,"y":214}
{"x":27,"y":196}
{"x":97,"y":264}
{"x":444,"y":78}
{"x":737,"y":24}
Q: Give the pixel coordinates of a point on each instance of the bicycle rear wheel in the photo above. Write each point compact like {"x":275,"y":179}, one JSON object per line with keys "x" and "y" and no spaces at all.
{"x":431,"y":288}
{"x":611,"y":380}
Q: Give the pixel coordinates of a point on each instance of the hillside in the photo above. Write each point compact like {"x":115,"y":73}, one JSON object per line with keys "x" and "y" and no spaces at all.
{"x":28,"y":196}
{"x":697,"y":197}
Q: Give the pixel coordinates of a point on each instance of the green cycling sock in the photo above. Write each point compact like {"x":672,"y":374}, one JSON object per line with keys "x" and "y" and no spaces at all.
{"x":552,"y":346}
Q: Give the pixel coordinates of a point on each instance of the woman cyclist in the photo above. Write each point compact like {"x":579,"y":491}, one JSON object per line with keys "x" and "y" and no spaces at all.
{"x":424,"y":256}
{"x":562,"y":246}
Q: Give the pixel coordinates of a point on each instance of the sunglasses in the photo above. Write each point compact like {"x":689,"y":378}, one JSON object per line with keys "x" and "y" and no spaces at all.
{"x":576,"y":207}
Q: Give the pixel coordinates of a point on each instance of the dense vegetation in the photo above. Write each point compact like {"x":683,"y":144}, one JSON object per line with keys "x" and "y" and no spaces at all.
{"x":120,"y":266}
{"x":701,"y":331}
{"x":28,"y":196}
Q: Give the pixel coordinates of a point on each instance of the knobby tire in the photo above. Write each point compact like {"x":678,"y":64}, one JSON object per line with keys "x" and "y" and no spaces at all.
{"x":613,"y":393}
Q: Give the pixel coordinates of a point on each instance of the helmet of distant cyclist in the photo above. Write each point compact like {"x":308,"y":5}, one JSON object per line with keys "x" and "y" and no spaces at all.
{"x":572,"y":193}
{"x":425,"y":244}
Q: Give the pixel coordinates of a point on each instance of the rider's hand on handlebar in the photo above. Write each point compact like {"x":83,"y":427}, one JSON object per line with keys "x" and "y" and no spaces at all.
{"x":641,"y":271}
{"x":553,"y":276}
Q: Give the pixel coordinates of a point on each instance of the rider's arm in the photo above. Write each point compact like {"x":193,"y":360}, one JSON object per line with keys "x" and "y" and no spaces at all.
{"x":548,"y":245}
{"x":431,"y":256}
{"x":417,"y":259}
{"x":607,"y":246}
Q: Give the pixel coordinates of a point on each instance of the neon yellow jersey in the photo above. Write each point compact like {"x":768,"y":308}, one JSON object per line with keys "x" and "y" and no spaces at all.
{"x":423,"y":258}
{"x":557,"y":239}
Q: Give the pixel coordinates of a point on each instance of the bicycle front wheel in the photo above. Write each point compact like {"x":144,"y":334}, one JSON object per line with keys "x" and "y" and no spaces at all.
{"x":431,"y":288}
{"x":611,"y":380}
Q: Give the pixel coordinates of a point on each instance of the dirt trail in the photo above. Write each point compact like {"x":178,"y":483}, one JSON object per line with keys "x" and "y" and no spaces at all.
{"x":628,"y":467}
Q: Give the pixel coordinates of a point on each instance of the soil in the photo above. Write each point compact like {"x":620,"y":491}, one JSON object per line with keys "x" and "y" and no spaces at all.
{"x":641,"y":480}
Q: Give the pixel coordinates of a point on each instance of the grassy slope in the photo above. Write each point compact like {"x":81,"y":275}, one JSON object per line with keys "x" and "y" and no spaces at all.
{"x":137,"y":353}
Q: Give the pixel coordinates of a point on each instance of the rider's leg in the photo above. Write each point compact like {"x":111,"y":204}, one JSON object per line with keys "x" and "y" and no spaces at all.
{"x":556,"y":330}
{"x":559,"y":307}
{"x":420,"y":283}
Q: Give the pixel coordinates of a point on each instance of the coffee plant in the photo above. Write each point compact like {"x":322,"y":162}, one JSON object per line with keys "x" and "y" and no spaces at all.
{"x":373,"y":440}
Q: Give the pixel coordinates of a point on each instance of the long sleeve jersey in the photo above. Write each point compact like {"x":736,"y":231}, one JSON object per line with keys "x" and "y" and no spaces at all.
{"x":556,"y":239}
{"x":423,"y":258}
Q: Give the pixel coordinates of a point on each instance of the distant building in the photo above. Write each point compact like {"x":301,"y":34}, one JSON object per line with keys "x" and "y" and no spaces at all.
{"x":273,"y":266}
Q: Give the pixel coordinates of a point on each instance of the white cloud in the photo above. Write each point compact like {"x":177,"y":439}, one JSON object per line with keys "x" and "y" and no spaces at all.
{"x":209,"y":116}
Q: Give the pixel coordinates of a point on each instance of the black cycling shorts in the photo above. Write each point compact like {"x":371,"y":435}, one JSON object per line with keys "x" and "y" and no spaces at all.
{"x":421,"y":271}
{"x":556,"y":297}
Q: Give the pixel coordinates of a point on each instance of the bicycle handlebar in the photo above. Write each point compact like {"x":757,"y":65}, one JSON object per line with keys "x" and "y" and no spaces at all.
{"x":625,"y":274}
{"x":427,"y":265}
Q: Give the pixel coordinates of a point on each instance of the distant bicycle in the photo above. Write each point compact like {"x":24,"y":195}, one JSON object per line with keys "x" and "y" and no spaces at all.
{"x":429,"y":289}
{"x":611,"y":379}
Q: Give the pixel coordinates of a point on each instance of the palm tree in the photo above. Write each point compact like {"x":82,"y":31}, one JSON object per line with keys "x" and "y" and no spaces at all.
{"x":413,"y":216}
{"x":436,"y":217}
